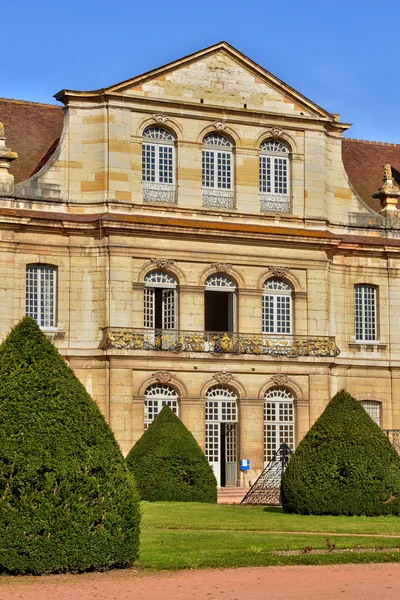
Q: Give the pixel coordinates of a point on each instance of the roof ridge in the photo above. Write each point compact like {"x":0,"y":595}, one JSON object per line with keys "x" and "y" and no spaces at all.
{"x":346,"y":139}
{"x":30,"y":102}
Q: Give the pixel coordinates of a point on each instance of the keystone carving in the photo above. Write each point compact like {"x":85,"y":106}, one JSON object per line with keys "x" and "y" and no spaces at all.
{"x":162,"y":376}
{"x":223,"y":377}
{"x":160,"y":118}
{"x":279,"y":271}
{"x":162,"y":263}
{"x":222,"y":267}
{"x":276,"y":131}
{"x":219,"y":125}
{"x":280,"y":379}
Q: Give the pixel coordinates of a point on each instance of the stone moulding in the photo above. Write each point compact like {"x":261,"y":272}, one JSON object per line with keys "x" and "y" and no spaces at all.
{"x":173,"y":340}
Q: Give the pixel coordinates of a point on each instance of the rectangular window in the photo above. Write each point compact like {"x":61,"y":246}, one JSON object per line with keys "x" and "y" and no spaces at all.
{"x":274,"y":175}
{"x":41,"y":294}
{"x":217,"y":169}
{"x":158,"y":163}
{"x":276,"y":314}
{"x":365,"y":313}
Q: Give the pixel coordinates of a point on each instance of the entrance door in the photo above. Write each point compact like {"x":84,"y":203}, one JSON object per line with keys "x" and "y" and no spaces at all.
{"x":221,"y":434}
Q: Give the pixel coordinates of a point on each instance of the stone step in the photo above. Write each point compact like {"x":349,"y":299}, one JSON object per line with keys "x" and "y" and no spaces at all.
{"x":231,"y":495}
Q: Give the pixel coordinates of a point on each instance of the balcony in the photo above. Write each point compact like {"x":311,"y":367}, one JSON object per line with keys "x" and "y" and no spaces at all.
{"x":159,"y":192}
{"x":172,"y":340}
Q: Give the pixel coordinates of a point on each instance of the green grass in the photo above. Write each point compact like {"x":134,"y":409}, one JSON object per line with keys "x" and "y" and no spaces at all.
{"x":196,"y":535}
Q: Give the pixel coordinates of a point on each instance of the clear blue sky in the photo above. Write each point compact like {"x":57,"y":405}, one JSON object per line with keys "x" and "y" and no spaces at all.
{"x":343,"y":55}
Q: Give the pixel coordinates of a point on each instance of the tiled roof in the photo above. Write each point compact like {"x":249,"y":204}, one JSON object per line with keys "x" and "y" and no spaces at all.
{"x":363,"y":161}
{"x":31,"y":129}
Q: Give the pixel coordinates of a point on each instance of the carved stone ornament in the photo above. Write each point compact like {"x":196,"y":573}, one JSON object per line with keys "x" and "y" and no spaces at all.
{"x":278,"y":271}
{"x":276,"y":131}
{"x":222,"y":267}
{"x":162,"y":263}
{"x":223,"y":377}
{"x":280,"y":379}
{"x":219,"y":125}
{"x":160,"y":118}
{"x":162,"y":376}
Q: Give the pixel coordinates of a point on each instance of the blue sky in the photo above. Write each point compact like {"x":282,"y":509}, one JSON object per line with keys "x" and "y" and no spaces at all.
{"x":342,"y":55}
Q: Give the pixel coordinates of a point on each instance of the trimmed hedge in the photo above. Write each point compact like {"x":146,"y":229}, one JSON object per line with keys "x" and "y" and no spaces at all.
{"x":67,"y":500}
{"x":168,"y":464}
{"x":345,"y":465}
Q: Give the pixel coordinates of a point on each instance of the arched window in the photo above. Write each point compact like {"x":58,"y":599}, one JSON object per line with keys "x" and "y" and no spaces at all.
{"x":279,"y":420}
{"x":373,"y":408}
{"x":274,"y":177}
{"x":158,"y":165}
{"x":365,"y":320}
{"x":221,"y":433}
{"x":160,"y":300}
{"x":156,"y":397}
{"x":217,"y":171}
{"x":277,"y":307}
{"x":220,"y":303}
{"x":41,"y":282}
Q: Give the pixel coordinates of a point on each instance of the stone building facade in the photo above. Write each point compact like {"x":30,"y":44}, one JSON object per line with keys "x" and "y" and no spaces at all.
{"x":203,"y":236}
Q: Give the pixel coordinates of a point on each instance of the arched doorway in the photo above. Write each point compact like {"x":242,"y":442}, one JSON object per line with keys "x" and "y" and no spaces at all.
{"x":221,"y":434}
{"x":156,"y":396}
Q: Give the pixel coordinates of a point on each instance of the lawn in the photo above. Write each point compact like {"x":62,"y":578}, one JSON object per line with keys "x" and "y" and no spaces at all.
{"x":193,"y":535}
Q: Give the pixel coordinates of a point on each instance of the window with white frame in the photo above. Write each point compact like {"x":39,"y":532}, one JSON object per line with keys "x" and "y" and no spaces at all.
{"x":279,"y":421}
{"x":156,"y":397}
{"x":373,"y":408}
{"x":365,"y":321}
{"x":158,"y":165}
{"x":274,"y":176}
{"x":277,"y":306}
{"x":41,"y":282}
{"x":160,"y":300}
{"x":217,"y":171}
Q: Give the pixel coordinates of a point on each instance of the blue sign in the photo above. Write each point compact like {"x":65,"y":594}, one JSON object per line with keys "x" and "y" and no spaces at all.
{"x":245,"y":464}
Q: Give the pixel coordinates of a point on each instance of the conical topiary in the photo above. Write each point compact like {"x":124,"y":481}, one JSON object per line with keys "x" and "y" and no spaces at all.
{"x":168,"y":463}
{"x":67,"y":501}
{"x":345,"y":465}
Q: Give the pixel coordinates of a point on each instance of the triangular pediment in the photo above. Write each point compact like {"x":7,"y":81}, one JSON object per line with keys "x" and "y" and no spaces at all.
{"x":220,"y":75}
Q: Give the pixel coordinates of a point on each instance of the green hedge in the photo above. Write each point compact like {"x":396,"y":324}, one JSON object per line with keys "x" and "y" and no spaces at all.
{"x":67,"y":501}
{"x":168,"y":463}
{"x":345,"y":465}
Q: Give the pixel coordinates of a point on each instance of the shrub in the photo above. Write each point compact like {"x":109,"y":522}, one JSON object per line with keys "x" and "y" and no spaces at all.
{"x":67,"y":501}
{"x":168,"y":463}
{"x":345,"y":465}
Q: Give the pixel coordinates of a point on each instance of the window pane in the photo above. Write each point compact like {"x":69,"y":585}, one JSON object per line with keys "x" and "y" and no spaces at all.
{"x":41,"y":295}
{"x":365,"y":312}
{"x":208,"y":160}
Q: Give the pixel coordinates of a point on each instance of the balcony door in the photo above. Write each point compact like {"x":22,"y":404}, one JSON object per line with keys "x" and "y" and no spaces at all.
{"x":220,"y":304}
{"x":160,"y":301}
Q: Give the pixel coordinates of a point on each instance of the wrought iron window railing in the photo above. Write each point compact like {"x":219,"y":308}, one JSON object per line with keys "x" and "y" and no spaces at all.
{"x":159,"y":192}
{"x":173,"y":340}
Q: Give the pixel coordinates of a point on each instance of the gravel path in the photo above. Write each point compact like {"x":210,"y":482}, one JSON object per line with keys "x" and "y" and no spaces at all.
{"x":344,"y":582}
